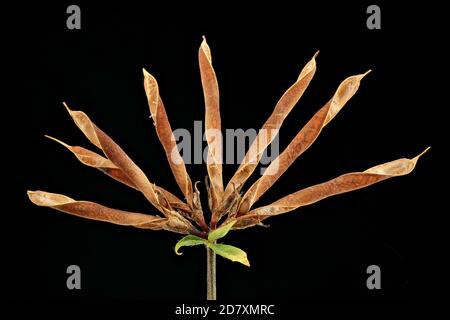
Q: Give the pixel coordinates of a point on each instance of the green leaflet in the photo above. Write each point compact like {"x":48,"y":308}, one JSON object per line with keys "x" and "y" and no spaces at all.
{"x":230,"y":252}
{"x":189,"y":240}
{"x":220,"y":232}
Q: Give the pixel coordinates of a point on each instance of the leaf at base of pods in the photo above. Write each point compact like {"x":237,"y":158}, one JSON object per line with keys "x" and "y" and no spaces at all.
{"x":189,"y":241}
{"x":230,"y":252}
{"x":220,"y":232}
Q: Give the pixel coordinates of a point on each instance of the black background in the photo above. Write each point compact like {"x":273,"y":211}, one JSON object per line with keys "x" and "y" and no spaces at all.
{"x":320,"y":251}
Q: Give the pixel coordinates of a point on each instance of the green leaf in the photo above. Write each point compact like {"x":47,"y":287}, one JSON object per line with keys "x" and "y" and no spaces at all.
{"x":230,"y":252}
{"x":221,"y":231}
{"x":189,"y":240}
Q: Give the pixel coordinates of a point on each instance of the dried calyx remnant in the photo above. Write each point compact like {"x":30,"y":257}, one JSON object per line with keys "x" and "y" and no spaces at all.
{"x":230,"y":208}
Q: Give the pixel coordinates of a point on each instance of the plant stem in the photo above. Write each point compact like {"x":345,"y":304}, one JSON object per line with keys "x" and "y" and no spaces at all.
{"x":211,"y":293}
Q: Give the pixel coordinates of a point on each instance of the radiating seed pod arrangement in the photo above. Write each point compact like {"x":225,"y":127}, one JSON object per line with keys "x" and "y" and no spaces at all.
{"x":230,"y":208}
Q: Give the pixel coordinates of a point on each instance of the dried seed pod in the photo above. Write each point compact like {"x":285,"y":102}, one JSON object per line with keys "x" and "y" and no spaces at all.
{"x":94,"y":211}
{"x":344,"y":183}
{"x":166,"y":137}
{"x":212,"y":123}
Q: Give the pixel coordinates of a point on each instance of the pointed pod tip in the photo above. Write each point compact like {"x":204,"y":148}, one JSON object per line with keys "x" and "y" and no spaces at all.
{"x":358,"y":77}
{"x":363,"y":75}
{"x":67,"y":107}
{"x":423,"y":152}
{"x":205,"y":50}
{"x":56,"y":140}
{"x":367,"y":72}
{"x":51,"y":138}
{"x":309,"y":67}
{"x":315,"y":54}
{"x":150,"y":77}
{"x":204,"y":46}
{"x":31,"y":195}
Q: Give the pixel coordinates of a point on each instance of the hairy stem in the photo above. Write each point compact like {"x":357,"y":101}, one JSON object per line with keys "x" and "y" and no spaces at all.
{"x":211,"y":293}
